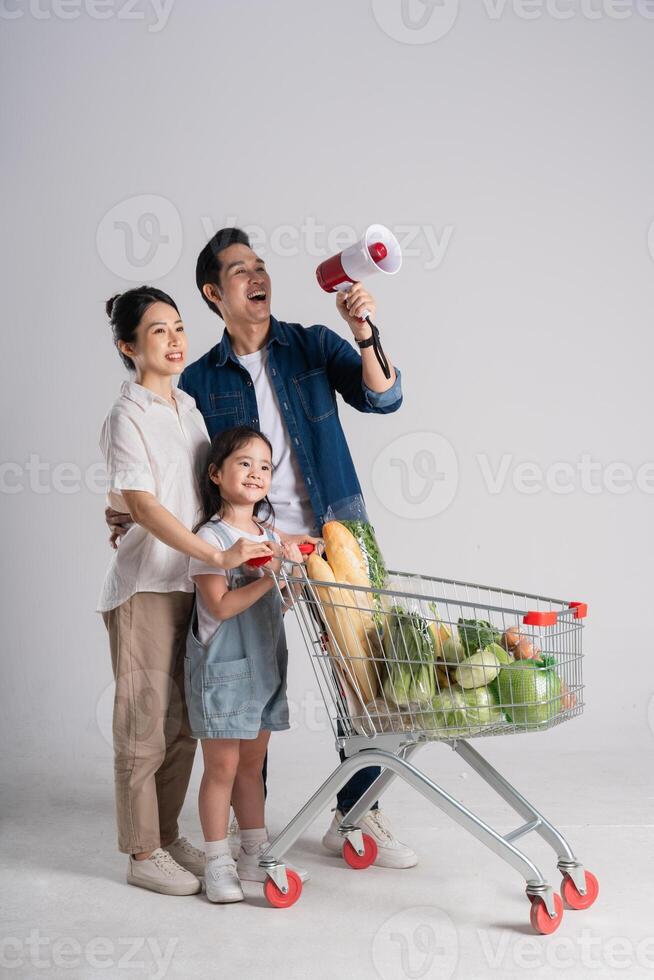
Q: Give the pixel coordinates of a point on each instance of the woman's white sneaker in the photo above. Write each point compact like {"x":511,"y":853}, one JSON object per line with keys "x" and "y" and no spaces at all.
{"x":391,"y":853}
{"x":248,"y":865}
{"x":221,"y":880}
{"x":161,"y":873}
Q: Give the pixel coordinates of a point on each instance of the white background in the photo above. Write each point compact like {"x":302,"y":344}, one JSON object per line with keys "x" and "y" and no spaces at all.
{"x":522,"y":144}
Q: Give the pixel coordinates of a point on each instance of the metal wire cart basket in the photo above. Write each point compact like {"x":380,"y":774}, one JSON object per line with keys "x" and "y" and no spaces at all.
{"x":429,"y":659}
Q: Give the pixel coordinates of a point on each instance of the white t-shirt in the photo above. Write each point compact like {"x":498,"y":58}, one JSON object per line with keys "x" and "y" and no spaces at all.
{"x":288,"y":492}
{"x":148,"y":445}
{"x":208,"y":624}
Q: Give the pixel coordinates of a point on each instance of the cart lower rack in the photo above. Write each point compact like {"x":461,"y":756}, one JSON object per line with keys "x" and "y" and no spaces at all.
{"x":429,"y":659}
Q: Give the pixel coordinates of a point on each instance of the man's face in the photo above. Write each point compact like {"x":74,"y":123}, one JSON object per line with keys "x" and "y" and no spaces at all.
{"x":244,"y":294}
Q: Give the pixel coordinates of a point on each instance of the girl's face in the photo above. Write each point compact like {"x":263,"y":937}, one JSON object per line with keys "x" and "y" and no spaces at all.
{"x":245,"y":476}
{"x":160,"y":343}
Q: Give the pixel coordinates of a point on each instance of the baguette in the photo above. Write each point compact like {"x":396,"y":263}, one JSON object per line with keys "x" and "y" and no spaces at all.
{"x":353,"y":637}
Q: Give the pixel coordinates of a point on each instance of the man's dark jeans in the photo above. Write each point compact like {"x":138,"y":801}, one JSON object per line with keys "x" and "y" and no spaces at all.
{"x":350,"y":793}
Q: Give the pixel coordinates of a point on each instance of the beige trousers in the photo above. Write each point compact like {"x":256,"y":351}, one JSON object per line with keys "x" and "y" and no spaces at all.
{"x":153,"y":748}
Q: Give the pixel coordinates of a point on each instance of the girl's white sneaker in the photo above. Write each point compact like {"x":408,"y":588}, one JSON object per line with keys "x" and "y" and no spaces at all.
{"x":248,"y":865}
{"x":221,"y":880}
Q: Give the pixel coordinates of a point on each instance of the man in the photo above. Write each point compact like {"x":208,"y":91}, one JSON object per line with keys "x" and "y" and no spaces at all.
{"x":282,"y":378}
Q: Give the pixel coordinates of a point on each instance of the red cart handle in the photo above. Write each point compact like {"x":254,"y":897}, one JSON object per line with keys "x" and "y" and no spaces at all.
{"x":306,"y":548}
{"x":580,"y":611}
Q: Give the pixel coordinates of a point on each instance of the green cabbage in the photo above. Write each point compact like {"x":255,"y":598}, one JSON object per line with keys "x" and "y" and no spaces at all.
{"x":530,"y":691}
{"x":446,"y":714}
{"x":481,"y":707}
{"x":475,"y":634}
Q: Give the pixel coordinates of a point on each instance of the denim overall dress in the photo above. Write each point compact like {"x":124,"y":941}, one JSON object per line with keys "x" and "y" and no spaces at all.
{"x":235,"y":684}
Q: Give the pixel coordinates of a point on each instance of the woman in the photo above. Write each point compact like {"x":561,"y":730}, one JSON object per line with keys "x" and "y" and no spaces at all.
{"x":153,"y":441}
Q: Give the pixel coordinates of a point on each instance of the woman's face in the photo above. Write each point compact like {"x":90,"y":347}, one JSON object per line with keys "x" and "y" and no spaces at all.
{"x":245,"y":476}
{"x":160,"y":343}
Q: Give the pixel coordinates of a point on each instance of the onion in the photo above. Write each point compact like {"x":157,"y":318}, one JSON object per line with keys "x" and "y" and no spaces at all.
{"x":511,"y":638}
{"x":525,"y":650}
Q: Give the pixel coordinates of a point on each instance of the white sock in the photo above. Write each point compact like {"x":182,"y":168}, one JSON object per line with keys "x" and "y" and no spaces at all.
{"x":251,"y":839}
{"x":216,"y":848}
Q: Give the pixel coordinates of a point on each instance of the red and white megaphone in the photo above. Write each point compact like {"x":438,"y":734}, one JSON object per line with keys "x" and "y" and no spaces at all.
{"x":377,"y":251}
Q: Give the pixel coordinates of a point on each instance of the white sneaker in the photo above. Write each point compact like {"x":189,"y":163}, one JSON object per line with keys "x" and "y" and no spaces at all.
{"x":188,"y":856}
{"x":234,"y":837}
{"x":221,"y":881}
{"x":249,"y":870}
{"x":391,"y":853}
{"x":161,"y":873}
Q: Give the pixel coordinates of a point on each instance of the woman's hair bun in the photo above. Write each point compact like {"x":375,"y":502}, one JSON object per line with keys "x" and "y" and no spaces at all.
{"x":109,"y":305}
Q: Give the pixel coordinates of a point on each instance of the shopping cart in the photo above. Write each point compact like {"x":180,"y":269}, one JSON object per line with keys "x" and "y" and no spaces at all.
{"x":430,"y":659}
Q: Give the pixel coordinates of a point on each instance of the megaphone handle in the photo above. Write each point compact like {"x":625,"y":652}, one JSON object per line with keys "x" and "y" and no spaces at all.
{"x":375,"y":343}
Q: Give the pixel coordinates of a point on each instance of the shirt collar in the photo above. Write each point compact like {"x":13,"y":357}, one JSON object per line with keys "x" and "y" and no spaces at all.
{"x":145,"y":398}
{"x":223,"y":348}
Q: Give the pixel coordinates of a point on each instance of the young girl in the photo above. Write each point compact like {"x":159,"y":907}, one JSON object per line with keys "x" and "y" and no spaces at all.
{"x":152,"y":440}
{"x":235,"y":669}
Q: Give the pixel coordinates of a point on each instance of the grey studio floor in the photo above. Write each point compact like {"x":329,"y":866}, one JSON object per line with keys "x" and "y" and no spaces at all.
{"x":461,"y":913}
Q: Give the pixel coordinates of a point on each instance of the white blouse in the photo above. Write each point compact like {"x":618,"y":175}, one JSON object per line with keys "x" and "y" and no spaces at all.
{"x":148,"y":445}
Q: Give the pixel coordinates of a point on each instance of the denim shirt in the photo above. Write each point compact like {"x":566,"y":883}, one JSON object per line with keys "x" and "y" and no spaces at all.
{"x":306,"y":366}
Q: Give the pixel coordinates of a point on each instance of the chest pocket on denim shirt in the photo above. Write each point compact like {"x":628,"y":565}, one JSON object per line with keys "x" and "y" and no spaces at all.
{"x":226,"y":406}
{"x":315,"y":394}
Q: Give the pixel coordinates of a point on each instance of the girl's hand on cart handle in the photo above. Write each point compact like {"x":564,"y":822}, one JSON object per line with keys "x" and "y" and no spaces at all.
{"x":274,"y":566}
{"x":293,"y":552}
{"x":298,"y":539}
{"x":242,"y":551}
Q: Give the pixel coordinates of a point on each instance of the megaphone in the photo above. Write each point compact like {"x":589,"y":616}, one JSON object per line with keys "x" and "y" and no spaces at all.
{"x":377,"y":251}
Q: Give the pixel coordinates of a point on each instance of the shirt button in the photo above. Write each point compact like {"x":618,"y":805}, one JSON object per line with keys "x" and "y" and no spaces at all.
{"x":249,"y":384}
{"x":254,"y":421}
{"x":286,"y":405}
{"x":297,"y":441}
{"x":274,"y":372}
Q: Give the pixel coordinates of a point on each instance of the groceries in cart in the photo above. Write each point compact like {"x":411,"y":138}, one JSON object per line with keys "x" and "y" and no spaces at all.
{"x":402,"y":659}
{"x":410,"y":660}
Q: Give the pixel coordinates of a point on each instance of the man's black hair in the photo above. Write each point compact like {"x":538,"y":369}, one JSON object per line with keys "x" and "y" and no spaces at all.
{"x":209,"y":264}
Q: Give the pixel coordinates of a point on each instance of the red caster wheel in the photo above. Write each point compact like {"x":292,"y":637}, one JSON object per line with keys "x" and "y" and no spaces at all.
{"x":574,"y":899}
{"x":277,"y":898}
{"x":361,"y":861}
{"x":540,"y":917}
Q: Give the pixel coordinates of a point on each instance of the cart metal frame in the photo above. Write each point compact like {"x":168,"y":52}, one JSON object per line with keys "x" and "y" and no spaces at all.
{"x":394,"y":752}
